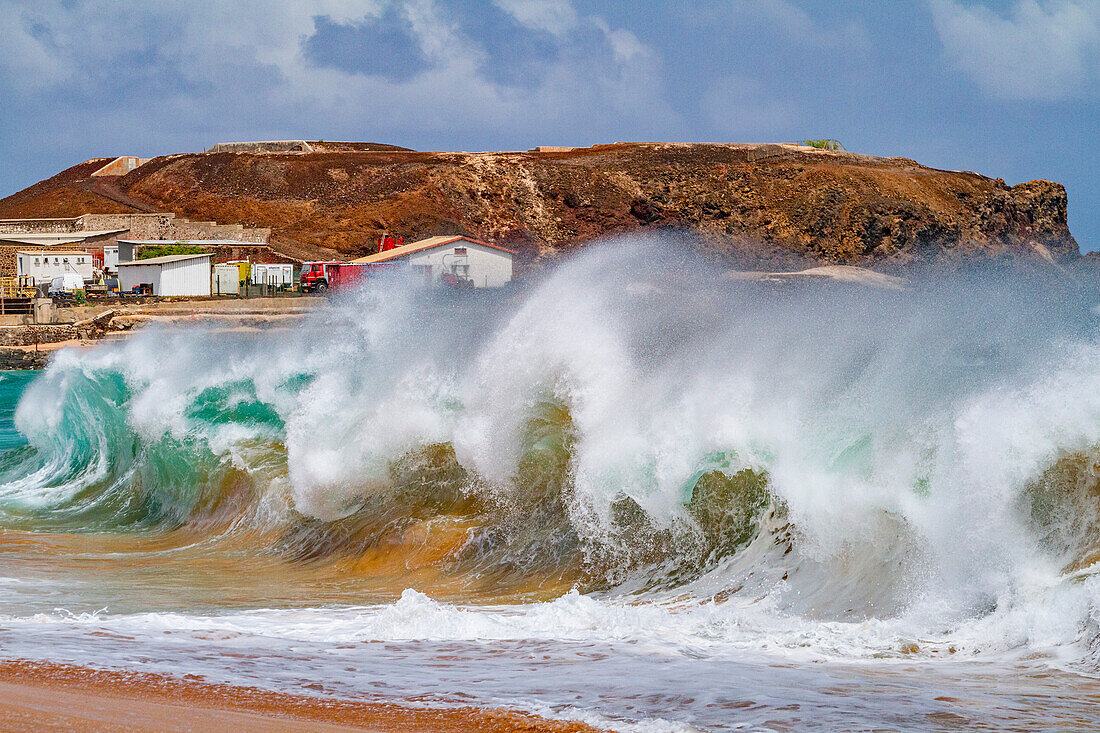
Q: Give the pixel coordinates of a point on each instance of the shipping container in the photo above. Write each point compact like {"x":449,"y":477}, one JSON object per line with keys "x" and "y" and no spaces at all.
{"x":244,"y":268}
{"x":226,"y":280}
{"x":273,"y":275}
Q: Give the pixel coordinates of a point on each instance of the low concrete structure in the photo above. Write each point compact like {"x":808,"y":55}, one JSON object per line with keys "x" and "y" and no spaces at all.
{"x":263,"y":146}
{"x":463,"y":260}
{"x":45,"y":264}
{"x":172,"y":275}
{"x":121,"y":165}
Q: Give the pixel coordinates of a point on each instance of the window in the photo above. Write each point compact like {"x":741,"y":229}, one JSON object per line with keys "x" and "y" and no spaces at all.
{"x":36,"y":261}
{"x":56,"y":261}
{"x":80,"y":260}
{"x":66,"y":260}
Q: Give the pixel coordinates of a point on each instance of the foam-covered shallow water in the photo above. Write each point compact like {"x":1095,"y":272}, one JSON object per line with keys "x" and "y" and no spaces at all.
{"x":635,"y":491}
{"x":623,"y":667}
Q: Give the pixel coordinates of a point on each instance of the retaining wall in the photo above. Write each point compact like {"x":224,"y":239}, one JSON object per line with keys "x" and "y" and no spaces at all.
{"x":139,"y":226}
{"x":263,"y":146}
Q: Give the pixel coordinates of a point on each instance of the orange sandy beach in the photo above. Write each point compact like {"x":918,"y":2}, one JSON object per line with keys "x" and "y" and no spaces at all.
{"x":38,"y":696}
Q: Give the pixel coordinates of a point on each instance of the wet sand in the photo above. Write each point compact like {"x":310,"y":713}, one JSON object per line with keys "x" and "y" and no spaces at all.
{"x":36,"y":696}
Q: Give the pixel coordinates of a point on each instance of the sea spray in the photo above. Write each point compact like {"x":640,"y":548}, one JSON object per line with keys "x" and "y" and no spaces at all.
{"x":633,"y":422}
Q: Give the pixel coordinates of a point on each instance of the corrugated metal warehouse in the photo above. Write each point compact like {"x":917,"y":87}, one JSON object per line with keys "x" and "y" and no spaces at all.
{"x":168,"y":275}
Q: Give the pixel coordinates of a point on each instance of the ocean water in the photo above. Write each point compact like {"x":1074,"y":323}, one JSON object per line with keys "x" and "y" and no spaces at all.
{"x":634,"y":492}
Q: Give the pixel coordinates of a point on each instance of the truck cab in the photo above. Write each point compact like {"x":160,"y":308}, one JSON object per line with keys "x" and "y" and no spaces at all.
{"x":316,"y":276}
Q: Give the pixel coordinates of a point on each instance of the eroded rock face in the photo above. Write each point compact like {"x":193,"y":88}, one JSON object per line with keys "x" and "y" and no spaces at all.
{"x":780,"y":205}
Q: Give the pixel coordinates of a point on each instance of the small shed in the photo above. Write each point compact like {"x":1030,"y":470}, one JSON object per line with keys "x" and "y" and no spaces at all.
{"x":171,"y":275}
{"x":457,"y":259}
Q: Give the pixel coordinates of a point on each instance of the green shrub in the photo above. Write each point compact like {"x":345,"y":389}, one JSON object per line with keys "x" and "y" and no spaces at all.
{"x":824,"y":144}
{"x":163,"y":250}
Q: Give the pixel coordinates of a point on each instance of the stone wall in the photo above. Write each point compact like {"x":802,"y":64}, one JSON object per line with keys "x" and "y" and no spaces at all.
{"x":7,"y":259}
{"x":259,"y":254}
{"x":170,"y":227}
{"x":23,"y":359}
{"x":132,"y":222}
{"x":263,"y":146}
{"x":25,"y":335}
{"x":39,"y":226}
{"x":140,"y":226}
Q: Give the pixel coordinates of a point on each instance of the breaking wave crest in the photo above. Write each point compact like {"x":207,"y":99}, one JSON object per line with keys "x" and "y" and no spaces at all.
{"x":632,"y":423}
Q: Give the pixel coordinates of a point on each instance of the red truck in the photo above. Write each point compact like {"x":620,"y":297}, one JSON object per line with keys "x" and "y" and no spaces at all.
{"x":322,"y":276}
{"x":317,"y":276}
{"x":350,"y":274}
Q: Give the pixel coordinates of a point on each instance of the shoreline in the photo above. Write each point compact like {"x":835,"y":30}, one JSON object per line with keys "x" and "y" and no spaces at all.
{"x":38,"y":695}
{"x":112,"y":322}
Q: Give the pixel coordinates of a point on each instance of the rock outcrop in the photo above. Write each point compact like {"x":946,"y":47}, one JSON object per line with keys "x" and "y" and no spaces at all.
{"x":785,"y":206}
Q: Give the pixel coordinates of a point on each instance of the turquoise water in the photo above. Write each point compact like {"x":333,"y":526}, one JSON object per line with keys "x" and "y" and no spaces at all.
{"x":12,"y":385}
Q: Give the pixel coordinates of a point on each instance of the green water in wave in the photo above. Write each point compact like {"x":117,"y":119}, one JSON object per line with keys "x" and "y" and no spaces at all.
{"x":12,"y":385}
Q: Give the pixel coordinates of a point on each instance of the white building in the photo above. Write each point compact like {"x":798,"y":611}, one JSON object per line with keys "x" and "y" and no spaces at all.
{"x":279,"y":276}
{"x":46,"y":264}
{"x":110,"y":258}
{"x":463,"y":259}
{"x":187,"y":275}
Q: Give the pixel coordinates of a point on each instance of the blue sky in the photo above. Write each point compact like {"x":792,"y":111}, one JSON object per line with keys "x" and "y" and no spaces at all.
{"x":1009,"y":89}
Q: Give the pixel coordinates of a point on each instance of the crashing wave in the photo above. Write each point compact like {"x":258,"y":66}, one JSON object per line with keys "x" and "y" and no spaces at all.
{"x":633,"y":423}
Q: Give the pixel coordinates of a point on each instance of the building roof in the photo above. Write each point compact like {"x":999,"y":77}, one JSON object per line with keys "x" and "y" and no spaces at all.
{"x":166,"y":259}
{"x":203,"y":242}
{"x":53,"y":252}
{"x":429,"y":243}
{"x":44,"y":238}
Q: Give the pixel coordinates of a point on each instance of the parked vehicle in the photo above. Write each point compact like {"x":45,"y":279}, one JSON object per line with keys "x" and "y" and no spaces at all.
{"x":66,"y":284}
{"x":456,"y":281}
{"x":348,"y":274}
{"x":317,"y":276}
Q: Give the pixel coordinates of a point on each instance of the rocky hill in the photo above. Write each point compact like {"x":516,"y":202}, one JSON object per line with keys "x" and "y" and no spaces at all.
{"x":784,"y":205}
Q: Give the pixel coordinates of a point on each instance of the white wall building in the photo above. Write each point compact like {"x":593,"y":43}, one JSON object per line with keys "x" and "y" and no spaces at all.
{"x":45,"y":264}
{"x":110,"y":258}
{"x":480,"y":263}
{"x":187,"y":275}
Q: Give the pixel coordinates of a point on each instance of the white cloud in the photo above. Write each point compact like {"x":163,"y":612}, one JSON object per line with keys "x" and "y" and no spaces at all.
{"x":151,"y":74}
{"x":553,"y":16}
{"x":796,"y":25}
{"x":1036,"y":51}
{"x":25,"y":59}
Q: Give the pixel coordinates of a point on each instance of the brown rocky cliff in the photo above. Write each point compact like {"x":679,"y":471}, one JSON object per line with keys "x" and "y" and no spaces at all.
{"x":784,"y":204}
